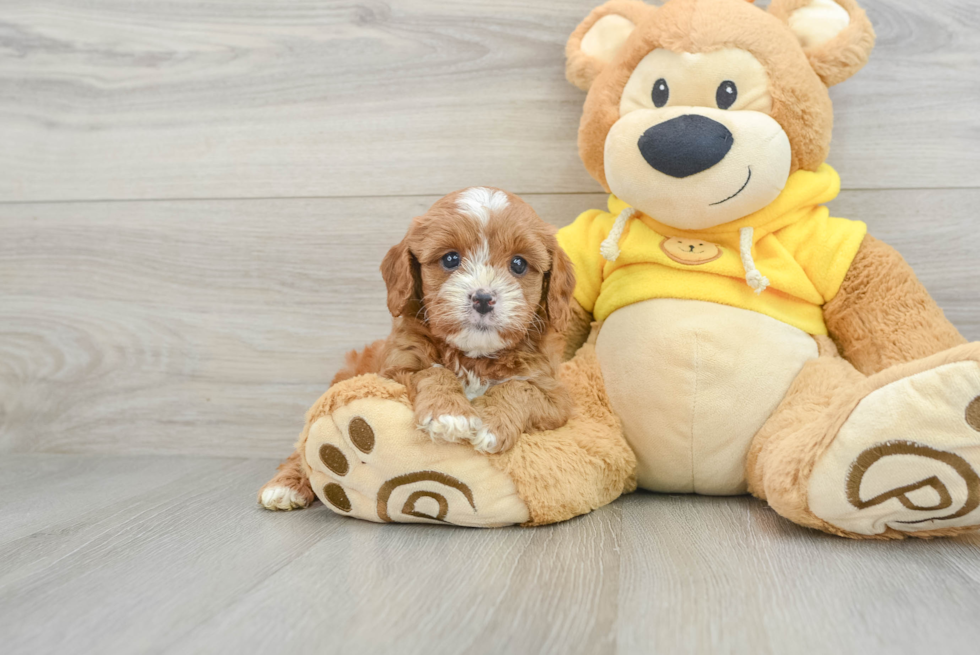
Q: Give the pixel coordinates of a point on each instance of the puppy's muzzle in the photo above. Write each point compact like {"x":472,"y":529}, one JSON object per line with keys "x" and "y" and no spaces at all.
{"x":482,"y":302}
{"x":685,"y":145}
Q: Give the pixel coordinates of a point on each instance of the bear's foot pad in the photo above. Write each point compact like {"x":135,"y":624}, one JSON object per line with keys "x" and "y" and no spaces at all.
{"x":370,"y":461}
{"x":907,"y":459}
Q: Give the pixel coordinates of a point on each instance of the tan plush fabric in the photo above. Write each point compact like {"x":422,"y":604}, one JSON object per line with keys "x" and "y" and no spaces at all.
{"x":606,"y":37}
{"x":340,"y":394}
{"x":582,"y":68}
{"x":882,"y":314}
{"x":844,"y":55}
{"x":692,"y":383}
{"x":812,"y":417}
{"x":797,"y":433}
{"x":801,"y":104}
{"x":366,"y":459}
{"x":580,"y":467}
{"x":799,"y":79}
{"x":398,"y":474}
{"x":818,"y":22}
{"x":905,"y":458}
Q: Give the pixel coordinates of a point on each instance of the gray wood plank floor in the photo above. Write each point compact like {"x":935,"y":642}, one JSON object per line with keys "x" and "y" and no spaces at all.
{"x":185,"y":562}
{"x":195,"y":196}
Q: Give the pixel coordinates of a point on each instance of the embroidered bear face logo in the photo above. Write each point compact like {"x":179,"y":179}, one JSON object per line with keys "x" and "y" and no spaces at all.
{"x":699,"y":110}
{"x":690,"y":252}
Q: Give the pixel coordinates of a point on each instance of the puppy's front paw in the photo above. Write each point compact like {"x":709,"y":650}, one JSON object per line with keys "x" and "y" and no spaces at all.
{"x":453,"y":428}
{"x":486,"y":441}
{"x":494,"y":436}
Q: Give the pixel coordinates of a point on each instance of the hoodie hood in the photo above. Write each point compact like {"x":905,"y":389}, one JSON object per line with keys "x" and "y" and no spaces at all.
{"x":804,"y":192}
{"x":786,"y":260}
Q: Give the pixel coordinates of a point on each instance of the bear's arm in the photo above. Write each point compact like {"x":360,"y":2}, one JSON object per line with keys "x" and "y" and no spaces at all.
{"x":883,"y":315}
{"x":577,"y":332}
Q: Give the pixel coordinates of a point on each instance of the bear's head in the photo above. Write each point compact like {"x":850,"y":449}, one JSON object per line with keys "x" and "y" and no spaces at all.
{"x":699,"y":110}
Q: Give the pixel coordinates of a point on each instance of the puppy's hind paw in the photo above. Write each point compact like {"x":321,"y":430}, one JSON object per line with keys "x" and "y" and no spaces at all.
{"x":280,"y":497}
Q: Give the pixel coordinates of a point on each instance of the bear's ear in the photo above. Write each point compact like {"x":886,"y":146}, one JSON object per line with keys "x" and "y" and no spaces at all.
{"x":836,"y":35}
{"x":599,"y":37}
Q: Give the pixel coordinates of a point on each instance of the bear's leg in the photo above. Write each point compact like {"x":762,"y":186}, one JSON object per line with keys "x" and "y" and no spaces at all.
{"x":893,"y":455}
{"x":365,"y":457}
{"x":577,"y":468}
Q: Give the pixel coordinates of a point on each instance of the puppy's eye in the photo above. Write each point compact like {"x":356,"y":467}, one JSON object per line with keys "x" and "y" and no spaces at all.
{"x":726,"y":94}
{"x":661,"y":92}
{"x":450,"y":261}
{"x":518,"y":265}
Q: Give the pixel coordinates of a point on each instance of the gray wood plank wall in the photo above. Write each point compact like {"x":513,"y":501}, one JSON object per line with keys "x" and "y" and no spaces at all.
{"x":195,"y":195}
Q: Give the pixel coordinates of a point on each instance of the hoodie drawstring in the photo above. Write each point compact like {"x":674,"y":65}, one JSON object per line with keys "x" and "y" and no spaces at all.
{"x":753,"y":277}
{"x":610,"y":246}
{"x":610,"y":249}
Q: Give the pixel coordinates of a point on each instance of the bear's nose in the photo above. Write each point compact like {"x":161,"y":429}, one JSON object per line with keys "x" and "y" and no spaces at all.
{"x":685,"y":145}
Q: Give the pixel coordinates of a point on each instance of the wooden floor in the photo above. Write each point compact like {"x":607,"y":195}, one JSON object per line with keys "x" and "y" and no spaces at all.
{"x":168,"y":555}
{"x":194,"y":199}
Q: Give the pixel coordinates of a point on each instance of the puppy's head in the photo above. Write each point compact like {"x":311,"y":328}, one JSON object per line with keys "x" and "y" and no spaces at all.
{"x":482,"y":269}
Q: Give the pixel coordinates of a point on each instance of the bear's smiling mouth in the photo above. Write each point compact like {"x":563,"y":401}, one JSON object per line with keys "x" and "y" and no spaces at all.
{"x":737,"y":192}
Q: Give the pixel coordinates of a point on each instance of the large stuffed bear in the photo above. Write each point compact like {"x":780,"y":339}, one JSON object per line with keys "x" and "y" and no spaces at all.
{"x":731,"y":336}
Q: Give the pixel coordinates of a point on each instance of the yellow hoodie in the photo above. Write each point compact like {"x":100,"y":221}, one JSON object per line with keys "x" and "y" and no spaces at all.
{"x":785,"y":261}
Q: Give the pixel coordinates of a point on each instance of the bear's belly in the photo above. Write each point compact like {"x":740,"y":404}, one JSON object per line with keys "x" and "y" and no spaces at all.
{"x":693,"y":382}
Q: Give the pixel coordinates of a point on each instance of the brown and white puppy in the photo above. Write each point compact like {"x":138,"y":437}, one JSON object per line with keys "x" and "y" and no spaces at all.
{"x":480,"y":292}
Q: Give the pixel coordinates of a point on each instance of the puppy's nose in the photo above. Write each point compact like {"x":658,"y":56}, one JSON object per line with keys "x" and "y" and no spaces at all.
{"x":685,"y":145}
{"x":482,"y":302}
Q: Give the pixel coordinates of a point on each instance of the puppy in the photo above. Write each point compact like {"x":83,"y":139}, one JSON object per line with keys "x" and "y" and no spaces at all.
{"x":480,"y":293}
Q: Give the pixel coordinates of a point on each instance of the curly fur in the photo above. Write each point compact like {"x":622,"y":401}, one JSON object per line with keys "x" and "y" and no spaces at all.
{"x":515,"y":388}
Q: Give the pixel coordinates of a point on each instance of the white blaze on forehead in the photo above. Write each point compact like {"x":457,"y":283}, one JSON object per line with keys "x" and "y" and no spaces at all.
{"x":477,"y":261}
{"x":479,"y":203}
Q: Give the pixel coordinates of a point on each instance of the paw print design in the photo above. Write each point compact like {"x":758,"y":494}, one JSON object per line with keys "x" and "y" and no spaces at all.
{"x":369,"y":460}
{"x":908,"y":456}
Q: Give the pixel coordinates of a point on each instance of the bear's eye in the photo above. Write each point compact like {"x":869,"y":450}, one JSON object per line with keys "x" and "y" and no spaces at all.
{"x":726,"y":94}
{"x":661,"y":92}
{"x":450,"y":261}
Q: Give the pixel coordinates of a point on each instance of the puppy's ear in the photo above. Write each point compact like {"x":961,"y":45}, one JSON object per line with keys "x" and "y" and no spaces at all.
{"x":560,"y":283}
{"x":403,"y":277}
{"x":598,"y":38}
{"x":836,"y":35}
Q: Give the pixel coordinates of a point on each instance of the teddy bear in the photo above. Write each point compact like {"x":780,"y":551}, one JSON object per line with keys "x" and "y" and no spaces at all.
{"x":730,"y":335}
